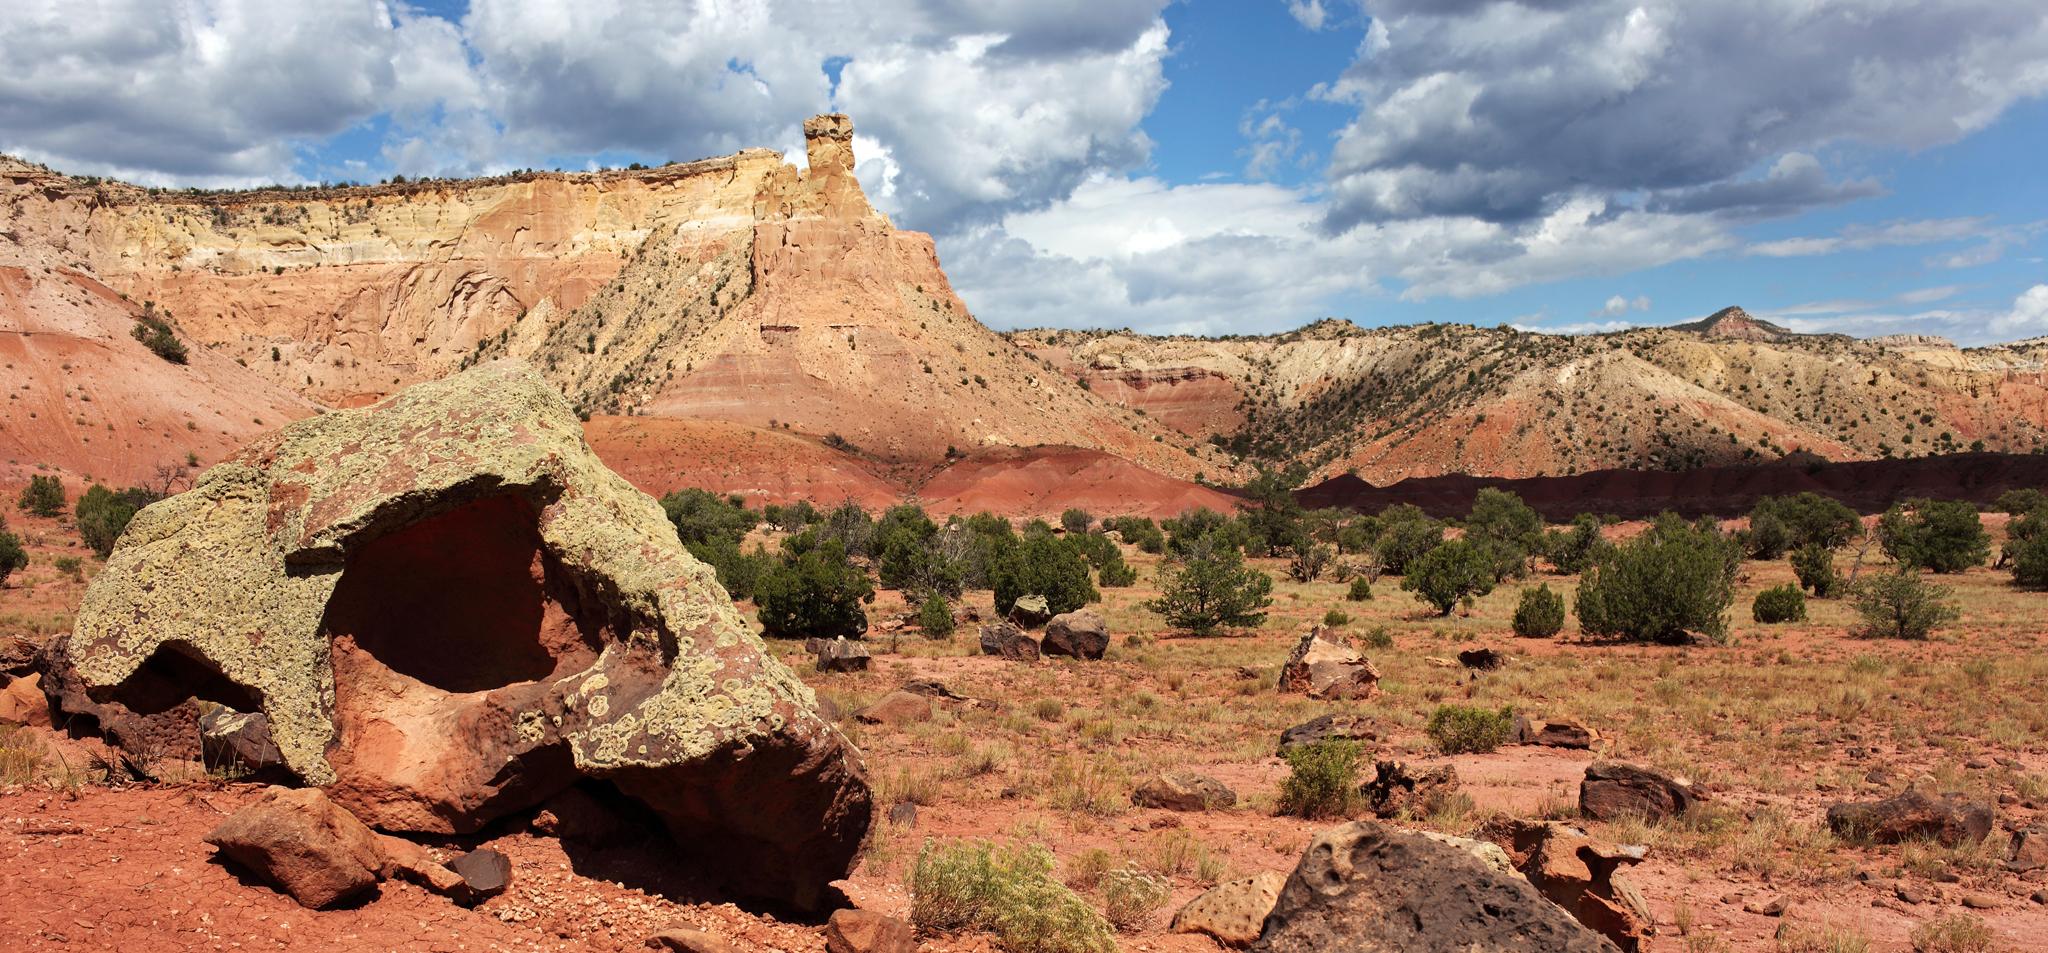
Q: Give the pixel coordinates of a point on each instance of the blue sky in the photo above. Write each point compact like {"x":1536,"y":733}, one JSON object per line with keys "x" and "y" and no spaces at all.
{"x":1209,"y":166}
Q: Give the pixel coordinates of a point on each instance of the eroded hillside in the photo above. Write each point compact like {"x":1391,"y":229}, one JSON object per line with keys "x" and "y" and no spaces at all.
{"x":83,"y":393}
{"x":735,"y":289}
{"x":1392,"y":403}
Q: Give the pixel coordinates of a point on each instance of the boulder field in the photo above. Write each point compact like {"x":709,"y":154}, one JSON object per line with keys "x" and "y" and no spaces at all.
{"x":446,"y":610}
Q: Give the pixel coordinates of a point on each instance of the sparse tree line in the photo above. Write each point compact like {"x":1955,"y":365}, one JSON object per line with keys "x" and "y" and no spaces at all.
{"x":99,"y":516}
{"x":1673,"y":582}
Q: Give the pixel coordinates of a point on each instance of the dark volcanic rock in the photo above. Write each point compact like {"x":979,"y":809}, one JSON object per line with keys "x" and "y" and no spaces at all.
{"x":1950,"y":819}
{"x":1009,"y":641}
{"x":1080,"y":634}
{"x":1613,"y":790}
{"x":1394,"y":789}
{"x":1327,"y":728}
{"x":1362,"y":888}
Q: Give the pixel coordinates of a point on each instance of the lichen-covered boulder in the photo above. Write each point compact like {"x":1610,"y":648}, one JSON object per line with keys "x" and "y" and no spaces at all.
{"x":449,"y":610}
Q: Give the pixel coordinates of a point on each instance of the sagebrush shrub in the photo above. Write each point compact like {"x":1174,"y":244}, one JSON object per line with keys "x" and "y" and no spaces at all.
{"x":1322,"y":780}
{"x":1131,"y":896}
{"x":1008,"y":892}
{"x":1902,"y":606}
{"x":1463,"y":729}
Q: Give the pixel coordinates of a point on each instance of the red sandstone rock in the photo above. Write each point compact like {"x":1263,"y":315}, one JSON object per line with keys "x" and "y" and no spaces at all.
{"x":305,"y":844}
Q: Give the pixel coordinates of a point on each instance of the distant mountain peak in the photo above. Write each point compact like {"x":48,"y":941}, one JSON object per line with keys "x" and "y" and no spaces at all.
{"x":1734,"y":324}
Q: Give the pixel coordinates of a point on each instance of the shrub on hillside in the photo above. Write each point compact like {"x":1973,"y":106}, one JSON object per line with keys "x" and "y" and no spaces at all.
{"x":44,"y":496}
{"x":1465,"y":729}
{"x":1322,"y":780}
{"x":701,"y":515}
{"x":1361,"y":590}
{"x":13,"y":557}
{"x":1044,"y":565}
{"x":1208,"y":587}
{"x":1336,"y":617}
{"x":791,"y":518}
{"x":818,"y":593}
{"x":1943,"y":536}
{"x":1448,"y":574}
{"x":1901,"y":605}
{"x":1007,"y":892}
{"x":101,"y":514}
{"x":1779,"y":604}
{"x":1076,"y":520}
{"x":1673,"y":579}
{"x":156,"y":334}
{"x":1815,"y":566}
{"x":1539,"y":613}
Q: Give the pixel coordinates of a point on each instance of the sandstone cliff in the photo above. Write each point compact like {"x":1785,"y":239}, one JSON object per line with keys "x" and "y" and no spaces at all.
{"x":83,"y":395}
{"x":737,"y":289}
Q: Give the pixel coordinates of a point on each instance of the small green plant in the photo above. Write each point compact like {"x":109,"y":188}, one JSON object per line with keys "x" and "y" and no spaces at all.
{"x":1779,"y":604}
{"x":13,"y":558}
{"x":1901,"y":605}
{"x":1955,"y":933}
{"x":935,"y":617}
{"x":1380,"y":637}
{"x":1361,"y":590}
{"x":1130,"y":897}
{"x":1539,"y":613}
{"x":71,"y":566}
{"x":155,"y":333}
{"x":1116,"y":574}
{"x":1463,"y":729}
{"x":1008,"y":892}
{"x":1336,"y":617}
{"x":1322,"y":780}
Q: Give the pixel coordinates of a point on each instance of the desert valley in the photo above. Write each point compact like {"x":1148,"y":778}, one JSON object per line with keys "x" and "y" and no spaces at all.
{"x":667,"y":557}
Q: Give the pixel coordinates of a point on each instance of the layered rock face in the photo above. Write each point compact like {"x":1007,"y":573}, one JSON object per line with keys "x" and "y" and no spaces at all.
{"x":735,"y":289}
{"x":448,"y":610}
{"x":82,"y":394}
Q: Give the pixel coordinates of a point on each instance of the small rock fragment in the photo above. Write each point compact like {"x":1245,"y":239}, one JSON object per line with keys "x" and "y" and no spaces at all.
{"x":1232,"y":912}
{"x":485,"y":874}
{"x":1183,"y":791}
{"x":865,"y":931}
